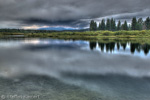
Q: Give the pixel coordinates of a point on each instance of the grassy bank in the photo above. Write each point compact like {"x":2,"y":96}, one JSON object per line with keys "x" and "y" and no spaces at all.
{"x":86,"y":35}
{"x":142,"y":37}
{"x":94,"y":34}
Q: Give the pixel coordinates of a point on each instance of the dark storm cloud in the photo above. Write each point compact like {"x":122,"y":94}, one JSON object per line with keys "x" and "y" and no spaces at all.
{"x":72,"y":23}
{"x":66,"y":12}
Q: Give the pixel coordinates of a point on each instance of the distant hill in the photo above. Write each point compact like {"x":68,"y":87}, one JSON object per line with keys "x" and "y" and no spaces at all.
{"x":57,"y":28}
{"x":62,"y":29}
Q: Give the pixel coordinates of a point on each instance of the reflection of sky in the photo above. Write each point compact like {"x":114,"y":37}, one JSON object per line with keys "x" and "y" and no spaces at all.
{"x":41,"y":42}
{"x":14,"y":43}
{"x":84,"y":45}
{"x":54,"y":41}
{"x":120,"y":77}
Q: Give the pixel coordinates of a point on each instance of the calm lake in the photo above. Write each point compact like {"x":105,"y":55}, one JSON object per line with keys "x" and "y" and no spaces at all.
{"x":54,"y":69}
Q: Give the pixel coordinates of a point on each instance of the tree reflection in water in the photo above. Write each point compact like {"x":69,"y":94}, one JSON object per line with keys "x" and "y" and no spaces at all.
{"x":110,"y":46}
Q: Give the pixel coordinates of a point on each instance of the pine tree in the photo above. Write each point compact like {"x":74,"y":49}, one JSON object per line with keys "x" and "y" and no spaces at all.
{"x":125,"y":25}
{"x":114,"y":26}
{"x":119,"y":25}
{"x":134,"y":24}
{"x":108,"y":25}
{"x":147,"y":23}
{"x":140,"y":24}
{"x":99,"y":27}
{"x":111,"y":23}
{"x":103,"y":26}
{"x":93,"y":26}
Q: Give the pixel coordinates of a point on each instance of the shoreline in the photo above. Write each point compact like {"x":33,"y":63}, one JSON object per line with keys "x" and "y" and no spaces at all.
{"x":91,"y":34}
{"x":142,"y":37}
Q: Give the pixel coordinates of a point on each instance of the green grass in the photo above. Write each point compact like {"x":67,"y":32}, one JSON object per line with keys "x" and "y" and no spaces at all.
{"x":101,"y":36}
{"x":87,"y":35}
{"x":94,"y":34}
{"x":141,"y":37}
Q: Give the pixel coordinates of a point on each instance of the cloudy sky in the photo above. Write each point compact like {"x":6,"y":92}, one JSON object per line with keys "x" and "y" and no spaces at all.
{"x":67,"y":13}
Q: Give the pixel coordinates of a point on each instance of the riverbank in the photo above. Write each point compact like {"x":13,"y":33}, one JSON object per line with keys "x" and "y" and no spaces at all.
{"x":94,"y":34}
{"x":84,"y":34}
{"x":113,"y":36}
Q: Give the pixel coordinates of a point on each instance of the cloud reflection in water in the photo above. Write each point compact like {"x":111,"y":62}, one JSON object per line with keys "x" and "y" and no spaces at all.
{"x":109,"y":74}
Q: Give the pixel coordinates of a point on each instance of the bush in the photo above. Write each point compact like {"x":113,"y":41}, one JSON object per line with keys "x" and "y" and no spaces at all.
{"x":107,"y":33}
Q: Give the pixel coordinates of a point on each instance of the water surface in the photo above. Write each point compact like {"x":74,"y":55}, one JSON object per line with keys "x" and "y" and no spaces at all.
{"x":58,"y":69}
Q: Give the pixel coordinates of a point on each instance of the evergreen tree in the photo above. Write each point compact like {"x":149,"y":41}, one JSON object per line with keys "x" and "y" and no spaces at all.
{"x":147,"y":23}
{"x":99,"y":27}
{"x":103,"y":27}
{"x":125,"y":26}
{"x":134,"y":24}
{"x":93,"y":26}
{"x":139,"y":25}
{"x":108,"y":25}
{"x":122,"y":26}
{"x":111,"y":23}
{"x":119,"y":25}
{"x":114,"y":25}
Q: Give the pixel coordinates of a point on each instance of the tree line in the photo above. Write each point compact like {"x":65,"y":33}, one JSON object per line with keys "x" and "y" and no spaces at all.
{"x":112,"y":25}
{"x":24,"y":31}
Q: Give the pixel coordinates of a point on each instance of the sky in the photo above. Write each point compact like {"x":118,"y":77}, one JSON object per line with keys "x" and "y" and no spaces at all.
{"x":76,"y":14}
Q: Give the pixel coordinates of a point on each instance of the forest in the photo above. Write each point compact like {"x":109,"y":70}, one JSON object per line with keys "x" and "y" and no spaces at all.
{"x":112,"y":25}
